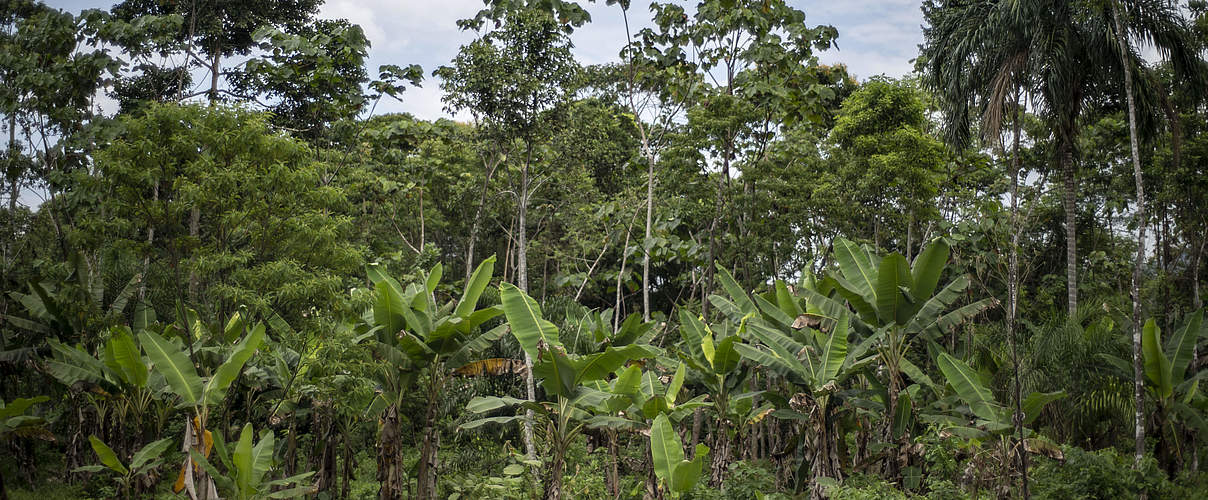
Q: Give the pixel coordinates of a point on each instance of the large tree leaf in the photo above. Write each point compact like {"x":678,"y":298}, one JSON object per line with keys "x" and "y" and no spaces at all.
{"x":969,"y":388}
{"x":528,"y":326}
{"x":174,"y":365}
{"x":107,"y":456}
{"x":128,"y":357}
{"x":735,"y":291}
{"x":244,"y":461}
{"x":215,"y":389}
{"x":1157,"y":365}
{"x":857,"y":268}
{"x":685,"y":475}
{"x":665,"y":448}
{"x":474,"y":288}
{"x":1182,"y":346}
{"x":889,"y":293}
{"x":833,"y":353}
{"x":388,"y":308}
{"x":1035,"y":402}
{"x":602,"y":364}
{"x":149,"y":452}
{"x":928,"y":266}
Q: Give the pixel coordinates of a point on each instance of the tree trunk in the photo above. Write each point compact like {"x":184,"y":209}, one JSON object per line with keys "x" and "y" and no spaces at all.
{"x":426,"y":482}
{"x":1013,"y":302}
{"x":721,"y":454}
{"x":553,"y":481}
{"x":1069,"y":197}
{"x":530,"y":450}
{"x":482,"y":200}
{"x":649,"y":223}
{"x":1138,"y":363}
{"x":392,"y":478}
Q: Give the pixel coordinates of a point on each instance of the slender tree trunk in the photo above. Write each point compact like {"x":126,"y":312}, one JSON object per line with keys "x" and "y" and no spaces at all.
{"x":649,"y":223}
{"x":214,"y":69}
{"x":142,"y":282}
{"x":1013,"y":301}
{"x":482,"y":200}
{"x":1071,"y":225}
{"x":1138,"y":368}
{"x":530,"y":450}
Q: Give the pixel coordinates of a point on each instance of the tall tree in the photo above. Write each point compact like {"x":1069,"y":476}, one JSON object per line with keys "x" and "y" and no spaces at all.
{"x":511,"y":78}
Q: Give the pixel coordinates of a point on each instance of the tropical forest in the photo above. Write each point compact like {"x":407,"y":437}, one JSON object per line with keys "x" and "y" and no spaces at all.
{"x":667,"y":250}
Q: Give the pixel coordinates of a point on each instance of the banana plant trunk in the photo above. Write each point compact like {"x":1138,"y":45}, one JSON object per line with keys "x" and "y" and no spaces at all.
{"x":553,"y":480}
{"x":721,"y":458}
{"x":825,"y":462}
{"x":426,"y":489}
{"x":392,"y":478}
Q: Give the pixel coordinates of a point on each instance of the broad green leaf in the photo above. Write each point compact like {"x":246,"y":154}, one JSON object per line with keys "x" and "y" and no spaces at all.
{"x":434,"y":276}
{"x":555,"y":371}
{"x":833,"y":352}
{"x":888,"y":291}
{"x":1035,"y":402}
{"x":107,"y":456}
{"x":785,"y":300}
{"x":726,"y":359}
{"x":1182,"y":346}
{"x":128,"y":357}
{"x":215,"y":389}
{"x":490,"y":420}
{"x":686,"y":474}
{"x":856,"y":268}
{"x":483,"y":404}
{"x":524,"y":315}
{"x":692,"y":330}
{"x":388,"y":308}
{"x":628,"y":381}
{"x":677,"y":382}
{"x":969,"y":388}
{"x":149,"y":452}
{"x":244,"y":461}
{"x":474,"y":288}
{"x":928,"y":266}
{"x":600,"y":365}
{"x":1157,"y":365}
{"x":665,"y":448}
{"x":174,"y":365}
{"x":262,"y":460}
{"x":734,"y":290}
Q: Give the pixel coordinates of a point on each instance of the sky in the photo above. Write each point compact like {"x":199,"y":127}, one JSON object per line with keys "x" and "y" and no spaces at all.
{"x":875,"y":36}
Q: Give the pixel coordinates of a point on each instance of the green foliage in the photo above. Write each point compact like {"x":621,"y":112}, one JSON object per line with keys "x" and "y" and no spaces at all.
{"x":1101,"y":474}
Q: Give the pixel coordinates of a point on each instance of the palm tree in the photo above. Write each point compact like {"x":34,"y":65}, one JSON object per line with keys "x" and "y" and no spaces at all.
{"x":1159,"y":23}
{"x":1060,"y":52}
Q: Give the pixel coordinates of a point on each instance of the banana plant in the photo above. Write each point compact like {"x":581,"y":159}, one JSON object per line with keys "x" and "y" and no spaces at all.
{"x":677,"y":475}
{"x":566,"y":379}
{"x":69,"y":309}
{"x":116,"y":380}
{"x":196,"y":392}
{"x":412,"y":334}
{"x":1170,"y":377}
{"x":16,"y":422}
{"x":709,"y":352}
{"x":817,"y":363}
{"x":246,"y":467}
{"x":141,"y":463}
{"x":988,"y":416}
{"x":896,"y":302}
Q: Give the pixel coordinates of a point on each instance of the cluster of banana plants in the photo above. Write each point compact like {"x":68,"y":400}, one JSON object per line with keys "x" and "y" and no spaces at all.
{"x":570,"y":382}
{"x":142,"y":379}
{"x":413,"y":336}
